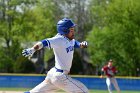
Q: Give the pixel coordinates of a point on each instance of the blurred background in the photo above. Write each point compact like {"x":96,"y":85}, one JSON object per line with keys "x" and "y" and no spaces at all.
{"x":111,"y":27}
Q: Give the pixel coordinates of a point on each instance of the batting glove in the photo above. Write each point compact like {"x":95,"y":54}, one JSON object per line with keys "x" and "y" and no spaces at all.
{"x":84,"y":44}
{"x":28,"y":52}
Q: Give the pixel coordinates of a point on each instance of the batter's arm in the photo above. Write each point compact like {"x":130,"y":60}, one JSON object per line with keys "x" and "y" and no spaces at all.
{"x":39,"y":45}
{"x":80,"y":45}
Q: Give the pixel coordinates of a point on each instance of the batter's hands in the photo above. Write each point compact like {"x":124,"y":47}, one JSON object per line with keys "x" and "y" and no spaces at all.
{"x":28,"y":52}
{"x":84,"y":44}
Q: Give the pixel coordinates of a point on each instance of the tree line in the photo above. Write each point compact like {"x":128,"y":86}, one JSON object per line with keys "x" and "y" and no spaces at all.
{"x":111,"y":27}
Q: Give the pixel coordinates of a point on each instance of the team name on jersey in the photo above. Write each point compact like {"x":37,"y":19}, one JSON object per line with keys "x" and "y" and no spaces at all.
{"x":70,"y":48}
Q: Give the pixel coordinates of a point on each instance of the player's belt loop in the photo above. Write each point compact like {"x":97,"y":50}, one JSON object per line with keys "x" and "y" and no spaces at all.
{"x":58,"y":70}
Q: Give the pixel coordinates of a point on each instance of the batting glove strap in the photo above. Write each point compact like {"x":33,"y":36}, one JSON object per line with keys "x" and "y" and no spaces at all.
{"x":84,"y":44}
{"x":28,"y":52}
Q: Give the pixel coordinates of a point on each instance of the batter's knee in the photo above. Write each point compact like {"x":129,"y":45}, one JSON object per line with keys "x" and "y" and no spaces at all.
{"x":84,"y":91}
{"x":27,"y":92}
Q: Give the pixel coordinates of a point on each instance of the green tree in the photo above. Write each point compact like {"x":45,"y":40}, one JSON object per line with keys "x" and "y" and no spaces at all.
{"x":9,"y":32}
{"x":23,"y":22}
{"x":116,"y":35}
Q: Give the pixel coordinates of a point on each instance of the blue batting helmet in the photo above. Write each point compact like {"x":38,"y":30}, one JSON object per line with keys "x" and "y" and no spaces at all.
{"x":64,"y":25}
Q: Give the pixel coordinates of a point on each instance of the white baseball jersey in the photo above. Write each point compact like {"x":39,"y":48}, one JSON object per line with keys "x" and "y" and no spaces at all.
{"x":63,"y":50}
{"x":57,"y":79}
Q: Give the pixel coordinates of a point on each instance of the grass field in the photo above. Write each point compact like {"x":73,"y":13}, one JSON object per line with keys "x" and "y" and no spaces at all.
{"x":105,"y":91}
{"x":20,"y":90}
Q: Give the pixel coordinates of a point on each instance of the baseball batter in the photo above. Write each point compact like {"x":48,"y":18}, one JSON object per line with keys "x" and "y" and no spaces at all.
{"x":110,"y":72}
{"x":63,"y":45}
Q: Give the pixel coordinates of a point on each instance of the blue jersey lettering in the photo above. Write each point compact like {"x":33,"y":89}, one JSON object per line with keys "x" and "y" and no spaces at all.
{"x":70,"y":48}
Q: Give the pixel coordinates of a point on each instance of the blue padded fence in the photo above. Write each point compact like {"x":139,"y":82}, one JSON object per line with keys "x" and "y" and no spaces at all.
{"x":18,"y":81}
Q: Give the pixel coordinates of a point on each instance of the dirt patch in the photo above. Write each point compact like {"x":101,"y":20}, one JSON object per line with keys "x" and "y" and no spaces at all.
{"x":11,"y":91}
{"x":18,"y":92}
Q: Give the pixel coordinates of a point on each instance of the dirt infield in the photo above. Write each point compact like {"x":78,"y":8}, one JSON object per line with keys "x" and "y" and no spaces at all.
{"x":11,"y":91}
{"x":18,"y":92}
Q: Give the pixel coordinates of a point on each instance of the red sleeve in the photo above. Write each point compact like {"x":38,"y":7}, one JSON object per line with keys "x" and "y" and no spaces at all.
{"x":114,"y":70}
{"x":104,"y":68}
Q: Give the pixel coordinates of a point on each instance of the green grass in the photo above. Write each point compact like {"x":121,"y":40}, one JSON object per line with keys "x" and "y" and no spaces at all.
{"x":105,"y":91}
{"x":14,"y":89}
{"x":91,"y":91}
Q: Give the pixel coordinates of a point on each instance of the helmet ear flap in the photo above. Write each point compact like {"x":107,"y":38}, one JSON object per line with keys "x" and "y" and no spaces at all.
{"x":65,"y":30}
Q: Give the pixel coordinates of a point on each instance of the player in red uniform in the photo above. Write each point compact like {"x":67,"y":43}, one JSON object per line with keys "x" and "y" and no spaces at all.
{"x":110,"y":71}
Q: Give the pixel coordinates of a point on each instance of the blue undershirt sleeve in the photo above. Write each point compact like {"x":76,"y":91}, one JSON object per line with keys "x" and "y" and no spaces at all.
{"x":46,"y":43}
{"x":77,"y":44}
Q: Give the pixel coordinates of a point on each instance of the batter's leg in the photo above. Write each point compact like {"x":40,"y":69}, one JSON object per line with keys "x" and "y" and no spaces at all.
{"x":114,"y":81}
{"x":70,"y":85}
{"x":44,"y":87}
{"x":108,"y":82}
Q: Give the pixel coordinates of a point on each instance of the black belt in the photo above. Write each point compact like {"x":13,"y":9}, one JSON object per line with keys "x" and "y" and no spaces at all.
{"x":59,"y":70}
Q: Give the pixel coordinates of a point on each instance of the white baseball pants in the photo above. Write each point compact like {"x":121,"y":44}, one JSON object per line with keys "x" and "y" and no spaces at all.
{"x":113,"y":81}
{"x":58,"y":80}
